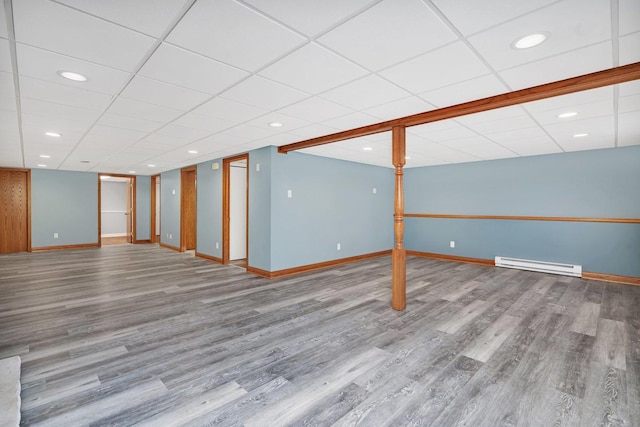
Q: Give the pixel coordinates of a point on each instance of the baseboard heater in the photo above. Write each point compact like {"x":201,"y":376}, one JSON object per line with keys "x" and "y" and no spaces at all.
{"x":541,"y":266}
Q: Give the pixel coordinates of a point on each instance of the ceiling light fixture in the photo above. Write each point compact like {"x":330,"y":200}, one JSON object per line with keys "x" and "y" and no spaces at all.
{"x":567,"y":114}
{"x":70,"y":75}
{"x":85,"y":161}
{"x":42,"y":166}
{"x":192,"y":152}
{"x":275,"y":125}
{"x":151,"y":166}
{"x":580,"y":135}
{"x":367,"y":149}
{"x":407,"y":157}
{"x":45,"y":156}
{"x":529,"y":41}
{"x":132,"y":171}
{"x":53,"y":134}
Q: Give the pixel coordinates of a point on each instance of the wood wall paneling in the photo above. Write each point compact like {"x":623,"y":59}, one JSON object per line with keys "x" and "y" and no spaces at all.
{"x":14,"y":210}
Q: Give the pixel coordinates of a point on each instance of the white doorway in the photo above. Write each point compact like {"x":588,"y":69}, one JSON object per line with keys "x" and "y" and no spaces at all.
{"x":238,"y":211}
{"x":116,"y":210}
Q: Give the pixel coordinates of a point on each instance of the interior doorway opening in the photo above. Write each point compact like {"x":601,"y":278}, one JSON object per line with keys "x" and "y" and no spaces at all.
{"x":235,"y":248}
{"x":117,"y":209}
{"x":155,"y":209}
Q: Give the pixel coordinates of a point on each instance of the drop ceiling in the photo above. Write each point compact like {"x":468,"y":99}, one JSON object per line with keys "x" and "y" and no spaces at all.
{"x":171,"y":83}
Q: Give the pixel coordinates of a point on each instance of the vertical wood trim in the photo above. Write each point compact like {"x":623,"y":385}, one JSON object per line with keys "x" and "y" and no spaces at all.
{"x":29,"y":248}
{"x":399,"y":255}
{"x":246,"y":212}
{"x":134,"y":216}
{"x":185,"y":180}
{"x":154,"y":180}
{"x":99,"y":211}
{"x":131,"y":194}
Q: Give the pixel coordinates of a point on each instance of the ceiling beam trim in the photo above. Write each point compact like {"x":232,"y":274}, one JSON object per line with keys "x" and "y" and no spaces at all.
{"x":595,"y":80}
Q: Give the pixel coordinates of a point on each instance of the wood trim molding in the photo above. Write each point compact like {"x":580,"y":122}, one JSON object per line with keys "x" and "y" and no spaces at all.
{"x":317,"y":266}
{"x":528,"y":218}
{"x":29,"y":235}
{"x":173,"y":248}
{"x":55,"y":248}
{"x":445,"y":257}
{"x":226,"y":206}
{"x":183,"y":219}
{"x":209,"y":257}
{"x":138,"y":242}
{"x":595,"y":80}
{"x":627,"y":280}
{"x":154,"y":195}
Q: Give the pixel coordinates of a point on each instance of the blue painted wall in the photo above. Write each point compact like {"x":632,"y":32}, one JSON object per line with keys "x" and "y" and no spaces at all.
{"x":143,"y":207}
{"x":259,"y":206}
{"x":209,"y":208}
{"x":170,"y":207}
{"x":333,"y":202}
{"x":65,"y":203}
{"x":599,"y":183}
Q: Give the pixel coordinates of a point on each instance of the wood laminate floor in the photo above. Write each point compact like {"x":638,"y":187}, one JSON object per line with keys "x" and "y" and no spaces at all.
{"x":140,"y":335}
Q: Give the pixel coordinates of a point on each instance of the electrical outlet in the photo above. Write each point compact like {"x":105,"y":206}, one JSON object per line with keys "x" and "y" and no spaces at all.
{"x":452,"y":244}
{"x":338,"y":246}
{"x":170,"y":236}
{"x":257,"y":167}
{"x":375,"y":190}
{"x":55,"y":235}
{"x":217,"y":245}
{"x":289,"y":193}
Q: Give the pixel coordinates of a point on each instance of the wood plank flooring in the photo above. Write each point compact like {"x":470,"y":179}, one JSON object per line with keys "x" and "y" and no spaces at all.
{"x":140,"y":335}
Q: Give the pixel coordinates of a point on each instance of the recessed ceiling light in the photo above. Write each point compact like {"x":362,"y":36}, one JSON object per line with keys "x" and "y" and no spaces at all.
{"x":42,"y":166}
{"x":132,"y":171}
{"x":275,"y":125}
{"x":580,"y":135}
{"x":530,"y":40}
{"x":85,"y":161}
{"x":407,"y":157}
{"x":76,"y":77}
{"x":53,"y":134}
{"x":152,"y":166}
{"x":44,"y":156}
{"x":367,"y":148}
{"x":192,"y":152}
{"x":567,"y":114}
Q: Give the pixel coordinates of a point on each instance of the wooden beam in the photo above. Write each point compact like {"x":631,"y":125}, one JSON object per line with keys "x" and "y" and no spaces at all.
{"x":595,"y":80}
{"x":399,"y":253}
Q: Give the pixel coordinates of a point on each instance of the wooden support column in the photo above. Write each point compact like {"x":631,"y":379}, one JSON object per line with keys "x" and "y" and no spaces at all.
{"x":399,"y":253}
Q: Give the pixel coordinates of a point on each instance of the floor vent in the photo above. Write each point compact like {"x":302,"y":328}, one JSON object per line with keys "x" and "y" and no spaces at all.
{"x":541,"y":266}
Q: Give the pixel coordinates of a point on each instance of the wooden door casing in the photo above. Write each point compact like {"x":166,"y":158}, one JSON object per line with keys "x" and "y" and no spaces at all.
{"x":14,"y":210}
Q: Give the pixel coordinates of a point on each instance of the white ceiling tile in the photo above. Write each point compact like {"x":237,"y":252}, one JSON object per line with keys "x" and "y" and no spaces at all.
{"x":235,"y":29}
{"x":313,"y":69}
{"x":526,"y":142}
{"x":575,"y":63}
{"x":487,"y":151}
{"x":630,"y":49}
{"x":312,"y":131}
{"x":106,"y":136}
{"x":248,"y":132}
{"x":571,"y":24}
{"x":177,"y":66}
{"x":629,"y":88}
{"x":400,"y":108}
{"x":628,"y":129}
{"x":288,"y":122}
{"x":443,"y":67}
{"x":163,"y":94}
{"x":143,"y":110}
{"x":183,"y":132}
{"x":7,"y":92}
{"x":448,"y":133}
{"x":389,"y":32}
{"x":3,"y":24}
{"x":627,"y":104}
{"x":227,"y":109}
{"x":366,"y":92}
{"x":471,"y":16}
{"x":43,"y":65}
{"x":61,"y":29}
{"x":5,"y":56}
{"x":263,"y":93}
{"x":147,"y":16}
{"x":469,"y":90}
{"x":585,"y":111}
{"x":569,"y":102}
{"x":198,"y":121}
{"x":629,"y":12}
{"x":350,"y":121}
{"x":126,"y":122}
{"x":600,"y":130}
{"x":316,"y":109}
{"x":309,"y":16}
{"x":71,"y":130}
{"x":58,"y":111}
{"x":166,"y":140}
{"x":63,"y":94}
{"x":498,"y":120}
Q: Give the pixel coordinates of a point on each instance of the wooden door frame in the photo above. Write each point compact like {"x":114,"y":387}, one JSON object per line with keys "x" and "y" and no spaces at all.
{"x":28,"y":172}
{"x":133,"y":204}
{"x":183,"y":172}
{"x":226,"y":205}
{"x":154,"y":195}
